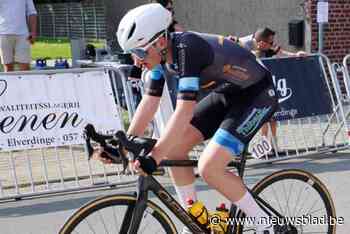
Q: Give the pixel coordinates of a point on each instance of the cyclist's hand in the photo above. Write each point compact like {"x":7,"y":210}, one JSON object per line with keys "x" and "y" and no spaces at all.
{"x":145,"y":164}
{"x":101,"y":155}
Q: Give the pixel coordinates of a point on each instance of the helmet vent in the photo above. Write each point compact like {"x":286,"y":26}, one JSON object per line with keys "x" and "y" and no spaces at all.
{"x":132,"y":30}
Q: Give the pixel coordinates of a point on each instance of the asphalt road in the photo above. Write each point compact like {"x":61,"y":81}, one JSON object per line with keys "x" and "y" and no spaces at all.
{"x":46,"y":215}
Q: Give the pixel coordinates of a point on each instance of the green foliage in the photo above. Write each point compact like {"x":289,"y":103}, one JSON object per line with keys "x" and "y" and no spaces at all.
{"x":55,"y":48}
{"x":51,"y":49}
{"x":52,"y":40}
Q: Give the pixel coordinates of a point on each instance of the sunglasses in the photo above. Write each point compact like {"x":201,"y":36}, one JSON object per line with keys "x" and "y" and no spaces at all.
{"x":141,"y":52}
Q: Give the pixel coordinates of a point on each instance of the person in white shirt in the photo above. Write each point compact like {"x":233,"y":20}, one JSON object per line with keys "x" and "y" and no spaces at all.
{"x":15,"y":38}
{"x":261,"y":43}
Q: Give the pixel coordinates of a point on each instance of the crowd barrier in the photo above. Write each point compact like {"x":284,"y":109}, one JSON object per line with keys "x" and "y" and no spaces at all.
{"x":61,"y":166}
{"x":346,"y":74}
{"x":319,"y":131}
{"x":341,"y":72}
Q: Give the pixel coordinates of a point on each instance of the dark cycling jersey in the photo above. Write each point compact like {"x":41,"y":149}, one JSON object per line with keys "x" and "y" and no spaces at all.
{"x":204,"y":61}
{"x":243,"y":96}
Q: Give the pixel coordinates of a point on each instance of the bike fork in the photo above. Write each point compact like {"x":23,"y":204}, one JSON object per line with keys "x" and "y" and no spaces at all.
{"x":138,"y":209}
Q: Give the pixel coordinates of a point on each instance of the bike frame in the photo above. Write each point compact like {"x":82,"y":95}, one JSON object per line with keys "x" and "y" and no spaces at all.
{"x":147,"y":183}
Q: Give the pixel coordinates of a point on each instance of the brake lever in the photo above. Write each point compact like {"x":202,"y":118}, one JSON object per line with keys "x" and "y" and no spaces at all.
{"x":91,"y":133}
{"x":121,"y":136}
{"x":88,"y":148}
{"x":124,"y":159}
{"x":138,"y":146}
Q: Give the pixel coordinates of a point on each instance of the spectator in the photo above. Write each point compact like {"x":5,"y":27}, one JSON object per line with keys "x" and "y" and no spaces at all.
{"x":261,"y":43}
{"x":15,"y":38}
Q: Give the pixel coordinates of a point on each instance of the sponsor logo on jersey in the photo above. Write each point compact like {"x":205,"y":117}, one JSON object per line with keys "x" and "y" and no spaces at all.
{"x":182,"y":58}
{"x":236,"y":71}
{"x":253,"y":121}
{"x":181,"y":46}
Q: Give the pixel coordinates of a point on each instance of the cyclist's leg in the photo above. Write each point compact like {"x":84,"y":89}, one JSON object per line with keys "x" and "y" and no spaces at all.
{"x":212,"y":166}
{"x":249,"y":110}
{"x":210,"y":112}
{"x":183,"y":177}
{"x":203,"y":126}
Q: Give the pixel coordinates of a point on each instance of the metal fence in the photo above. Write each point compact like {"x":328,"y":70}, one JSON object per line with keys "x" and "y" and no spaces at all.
{"x":52,"y":170}
{"x":342,"y":83}
{"x":72,"y":20}
{"x":317,"y":134}
{"x":346,"y":74}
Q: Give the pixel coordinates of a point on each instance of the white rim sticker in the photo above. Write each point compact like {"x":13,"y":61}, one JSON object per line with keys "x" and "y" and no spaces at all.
{"x":261,"y":148}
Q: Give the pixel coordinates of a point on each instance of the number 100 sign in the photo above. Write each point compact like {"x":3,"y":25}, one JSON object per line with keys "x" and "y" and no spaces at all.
{"x":261,"y":148}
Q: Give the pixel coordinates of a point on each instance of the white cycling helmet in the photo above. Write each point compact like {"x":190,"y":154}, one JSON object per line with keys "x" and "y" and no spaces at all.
{"x":141,"y":24}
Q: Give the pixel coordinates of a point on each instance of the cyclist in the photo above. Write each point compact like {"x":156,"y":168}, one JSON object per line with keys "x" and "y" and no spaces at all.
{"x":171,"y":83}
{"x":242,"y":99}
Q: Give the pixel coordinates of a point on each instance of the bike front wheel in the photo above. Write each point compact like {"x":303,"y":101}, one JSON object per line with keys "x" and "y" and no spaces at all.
{"x":112,"y":214}
{"x":301,"y":198}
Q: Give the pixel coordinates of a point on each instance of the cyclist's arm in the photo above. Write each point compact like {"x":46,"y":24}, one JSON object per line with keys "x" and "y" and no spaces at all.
{"x":175,"y":128}
{"x":144,"y":114}
{"x":193,"y":55}
{"x":149,"y":103}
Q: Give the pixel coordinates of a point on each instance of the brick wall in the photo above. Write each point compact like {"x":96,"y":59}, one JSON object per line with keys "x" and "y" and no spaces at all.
{"x":337,"y":31}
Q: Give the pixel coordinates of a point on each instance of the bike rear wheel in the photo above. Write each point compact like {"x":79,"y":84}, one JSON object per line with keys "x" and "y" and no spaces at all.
{"x":109,"y":215}
{"x":301,"y":197}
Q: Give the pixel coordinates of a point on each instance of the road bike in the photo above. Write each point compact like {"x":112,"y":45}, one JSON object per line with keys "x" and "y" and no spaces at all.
{"x":296,"y":201}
